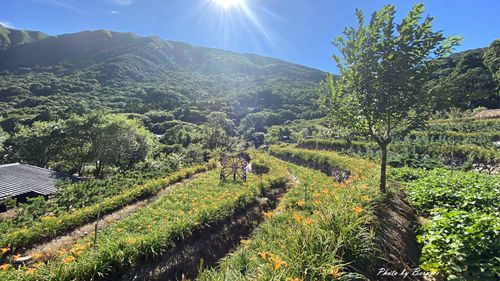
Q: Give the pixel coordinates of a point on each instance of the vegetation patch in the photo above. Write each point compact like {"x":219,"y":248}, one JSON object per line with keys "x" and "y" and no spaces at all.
{"x":322,"y":229}
{"x":154,"y":229}
{"x":460,"y":234}
{"x":51,"y":226}
{"x":411,"y":154}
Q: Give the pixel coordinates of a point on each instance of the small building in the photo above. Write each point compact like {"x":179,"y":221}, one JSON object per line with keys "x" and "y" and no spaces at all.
{"x":22,"y":181}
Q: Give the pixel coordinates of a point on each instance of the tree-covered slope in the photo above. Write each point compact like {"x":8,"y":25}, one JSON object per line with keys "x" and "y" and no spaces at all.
{"x":103,"y":51}
{"x":12,"y":37}
{"x":468,"y":79}
{"x":81,"y":72}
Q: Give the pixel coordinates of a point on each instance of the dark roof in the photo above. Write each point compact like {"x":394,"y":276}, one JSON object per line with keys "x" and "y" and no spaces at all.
{"x":17,"y":179}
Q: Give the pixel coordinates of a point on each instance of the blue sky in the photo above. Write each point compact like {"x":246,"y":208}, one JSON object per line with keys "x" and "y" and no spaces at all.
{"x":299,"y":31}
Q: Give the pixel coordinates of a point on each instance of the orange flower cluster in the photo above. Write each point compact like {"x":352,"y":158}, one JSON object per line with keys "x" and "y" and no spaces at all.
{"x":68,"y":259}
{"x":301,"y":203}
{"x":5,"y":267}
{"x":334,"y":271}
{"x":268,"y":215}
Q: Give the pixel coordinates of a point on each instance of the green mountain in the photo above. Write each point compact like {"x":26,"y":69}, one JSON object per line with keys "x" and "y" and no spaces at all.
{"x":56,"y":76}
{"x":140,"y":58}
{"x":46,"y":78}
{"x":12,"y":37}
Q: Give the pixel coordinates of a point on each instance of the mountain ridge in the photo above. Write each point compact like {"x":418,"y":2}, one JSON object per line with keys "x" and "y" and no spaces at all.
{"x":91,"y":47}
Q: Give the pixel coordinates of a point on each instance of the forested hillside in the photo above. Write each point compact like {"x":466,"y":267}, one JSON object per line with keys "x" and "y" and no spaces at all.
{"x":172,"y":88}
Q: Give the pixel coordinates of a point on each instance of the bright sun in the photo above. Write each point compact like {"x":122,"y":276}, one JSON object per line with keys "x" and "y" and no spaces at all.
{"x":226,"y":4}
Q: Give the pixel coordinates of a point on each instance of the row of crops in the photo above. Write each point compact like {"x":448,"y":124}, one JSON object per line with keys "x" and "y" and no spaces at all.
{"x":320,"y":230}
{"x":461,"y":230}
{"x":465,"y":144}
{"x":50,"y":226}
{"x":151,"y":231}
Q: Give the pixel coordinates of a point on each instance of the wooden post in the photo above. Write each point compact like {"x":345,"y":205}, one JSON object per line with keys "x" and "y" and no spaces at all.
{"x":95,"y":231}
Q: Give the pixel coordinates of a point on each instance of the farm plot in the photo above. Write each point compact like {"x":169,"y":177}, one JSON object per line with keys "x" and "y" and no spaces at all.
{"x":320,"y":231}
{"x":49,"y":227}
{"x":461,"y":226}
{"x":153,"y":230}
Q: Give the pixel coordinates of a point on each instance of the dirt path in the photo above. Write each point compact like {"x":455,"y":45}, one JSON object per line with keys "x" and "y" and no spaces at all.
{"x":47,"y":251}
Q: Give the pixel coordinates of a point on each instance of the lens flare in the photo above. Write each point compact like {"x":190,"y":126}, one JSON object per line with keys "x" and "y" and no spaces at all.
{"x":226,"y":4}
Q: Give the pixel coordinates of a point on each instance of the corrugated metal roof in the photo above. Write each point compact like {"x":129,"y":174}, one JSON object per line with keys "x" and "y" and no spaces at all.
{"x":17,"y":179}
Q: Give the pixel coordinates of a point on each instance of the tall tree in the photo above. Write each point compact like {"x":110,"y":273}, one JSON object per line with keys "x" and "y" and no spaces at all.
{"x":384,"y":67}
{"x":3,"y":137}
{"x":118,"y":141}
{"x":492,"y":60}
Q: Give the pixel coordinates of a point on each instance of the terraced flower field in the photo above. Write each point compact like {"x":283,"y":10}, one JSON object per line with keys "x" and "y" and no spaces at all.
{"x":152,"y":230}
{"x":320,"y":231}
{"x":325,"y":227}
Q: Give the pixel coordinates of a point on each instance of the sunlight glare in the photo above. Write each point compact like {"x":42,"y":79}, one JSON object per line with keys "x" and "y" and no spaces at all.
{"x":227,"y":4}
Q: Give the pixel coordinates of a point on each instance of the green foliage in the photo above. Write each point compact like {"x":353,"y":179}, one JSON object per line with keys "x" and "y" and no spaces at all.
{"x":103,"y":140}
{"x":462,"y":245}
{"x":455,"y":190}
{"x":464,"y":81}
{"x":3,"y":137}
{"x":492,"y":61}
{"x":384,"y":70}
{"x":461,"y":234}
{"x":426,"y":155}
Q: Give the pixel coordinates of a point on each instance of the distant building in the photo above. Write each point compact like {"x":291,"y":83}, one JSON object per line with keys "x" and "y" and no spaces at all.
{"x":489,"y":113}
{"x":22,"y":181}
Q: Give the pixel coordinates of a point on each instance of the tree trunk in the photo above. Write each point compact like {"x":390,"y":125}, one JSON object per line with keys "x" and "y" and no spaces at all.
{"x":383,"y":168}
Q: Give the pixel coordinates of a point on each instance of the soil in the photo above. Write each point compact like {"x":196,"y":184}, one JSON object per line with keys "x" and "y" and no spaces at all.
{"x":206,"y":246}
{"x":395,"y":228}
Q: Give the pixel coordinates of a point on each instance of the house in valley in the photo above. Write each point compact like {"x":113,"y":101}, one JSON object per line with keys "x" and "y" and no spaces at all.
{"x":21,"y":181}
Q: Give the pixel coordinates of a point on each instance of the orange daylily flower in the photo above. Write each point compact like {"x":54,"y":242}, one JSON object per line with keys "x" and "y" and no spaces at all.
{"x":30,"y":270}
{"x":309,"y":221}
{"x":278,"y":263}
{"x":68,"y":259}
{"x":297,"y":217}
{"x":366,"y":198}
{"x":358,"y":210}
{"x":301,"y":203}
{"x":4,"y":250}
{"x":268,"y":215}
{"x":263,"y":255}
{"x":5,"y":267}
{"x":334,"y":271}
